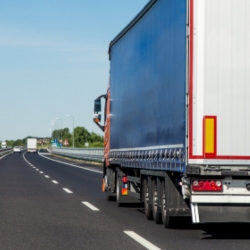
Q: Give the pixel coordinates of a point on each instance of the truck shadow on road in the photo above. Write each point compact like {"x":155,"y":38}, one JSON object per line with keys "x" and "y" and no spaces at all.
{"x":226,"y":231}
{"x":211,"y":231}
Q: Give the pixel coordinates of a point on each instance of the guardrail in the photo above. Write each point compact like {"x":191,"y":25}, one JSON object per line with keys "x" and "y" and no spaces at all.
{"x":4,"y":151}
{"x":89,"y":154}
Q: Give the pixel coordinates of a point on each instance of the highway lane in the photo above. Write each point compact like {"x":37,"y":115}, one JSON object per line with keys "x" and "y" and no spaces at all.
{"x":36,"y":213}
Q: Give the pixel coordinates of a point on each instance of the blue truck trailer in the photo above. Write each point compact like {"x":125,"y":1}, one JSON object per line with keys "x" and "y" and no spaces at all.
{"x":175,"y":122}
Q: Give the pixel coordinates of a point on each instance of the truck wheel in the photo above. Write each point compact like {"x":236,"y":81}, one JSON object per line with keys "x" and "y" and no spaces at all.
{"x":105,"y":188}
{"x":146,"y":199}
{"x":108,"y":196}
{"x":118,"y":190}
{"x":155,"y":201}
{"x":166,"y":220}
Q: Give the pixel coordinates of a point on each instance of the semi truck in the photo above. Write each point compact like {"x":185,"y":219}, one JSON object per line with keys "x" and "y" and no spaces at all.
{"x":31,"y":145}
{"x":177,"y":112}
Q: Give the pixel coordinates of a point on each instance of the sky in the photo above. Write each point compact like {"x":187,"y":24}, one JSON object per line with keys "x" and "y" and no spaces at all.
{"x":54,"y":61}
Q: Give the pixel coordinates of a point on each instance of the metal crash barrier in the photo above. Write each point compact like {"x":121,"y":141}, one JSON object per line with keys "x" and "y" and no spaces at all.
{"x":5,"y":151}
{"x":89,"y":154}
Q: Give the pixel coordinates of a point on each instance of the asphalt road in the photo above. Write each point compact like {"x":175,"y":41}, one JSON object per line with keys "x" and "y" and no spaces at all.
{"x":45,"y":204}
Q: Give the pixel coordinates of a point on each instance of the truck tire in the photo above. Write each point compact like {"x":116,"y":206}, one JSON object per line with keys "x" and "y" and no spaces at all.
{"x":109,"y":195}
{"x":166,"y":220}
{"x":146,"y":199}
{"x":118,"y":189}
{"x":156,"y":201}
{"x":105,"y":188}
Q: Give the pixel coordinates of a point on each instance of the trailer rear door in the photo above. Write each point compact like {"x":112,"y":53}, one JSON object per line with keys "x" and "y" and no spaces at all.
{"x":219,"y":82}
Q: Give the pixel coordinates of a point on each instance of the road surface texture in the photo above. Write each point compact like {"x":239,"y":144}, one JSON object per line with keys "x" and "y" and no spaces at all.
{"x":45,"y":204}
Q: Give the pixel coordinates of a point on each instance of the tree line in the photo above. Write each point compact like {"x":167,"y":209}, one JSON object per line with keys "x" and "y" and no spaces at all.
{"x":22,"y":142}
{"x":81,"y":136}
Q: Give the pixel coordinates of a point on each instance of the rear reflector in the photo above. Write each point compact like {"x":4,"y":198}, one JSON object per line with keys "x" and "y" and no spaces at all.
{"x":207,"y":185}
{"x":124,"y":185}
{"x":124,"y":179}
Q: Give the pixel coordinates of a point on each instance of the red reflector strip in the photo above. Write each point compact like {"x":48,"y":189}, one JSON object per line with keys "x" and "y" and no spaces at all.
{"x":207,"y":185}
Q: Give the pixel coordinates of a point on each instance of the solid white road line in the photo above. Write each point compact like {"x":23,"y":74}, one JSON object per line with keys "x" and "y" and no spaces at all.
{"x":46,"y":176}
{"x":141,"y":240}
{"x":6,"y":155}
{"x":90,"y":206}
{"x":25,"y":158}
{"x":54,"y":181}
{"x":67,"y":190}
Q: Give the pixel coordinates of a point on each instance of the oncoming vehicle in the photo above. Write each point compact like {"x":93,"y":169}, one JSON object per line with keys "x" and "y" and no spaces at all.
{"x":31,"y":145}
{"x":17,"y":149}
{"x":3,"y":144}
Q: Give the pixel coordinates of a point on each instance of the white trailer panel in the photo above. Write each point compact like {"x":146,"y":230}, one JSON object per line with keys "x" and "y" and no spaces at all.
{"x":31,"y":145}
{"x":219,"y":128}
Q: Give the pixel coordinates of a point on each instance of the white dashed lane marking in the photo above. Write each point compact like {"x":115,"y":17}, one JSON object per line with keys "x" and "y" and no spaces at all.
{"x":141,"y":240}
{"x":90,"y":206}
{"x":54,"y":181}
{"x":46,"y":176}
{"x":67,"y":190}
{"x":41,"y":172}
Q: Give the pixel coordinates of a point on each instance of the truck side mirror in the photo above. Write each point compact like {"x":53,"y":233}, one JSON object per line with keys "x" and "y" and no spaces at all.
{"x":97,"y":106}
{"x":97,"y":109}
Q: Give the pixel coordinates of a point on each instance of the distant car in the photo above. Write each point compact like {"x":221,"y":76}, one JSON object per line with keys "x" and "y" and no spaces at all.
{"x":17,"y":149}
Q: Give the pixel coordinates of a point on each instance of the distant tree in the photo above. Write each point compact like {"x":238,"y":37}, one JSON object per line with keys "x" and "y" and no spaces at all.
{"x":18,"y":142}
{"x":62,"y":134}
{"x":81,"y":136}
{"x":96,"y":138}
{"x":96,"y":144}
{"x":10,"y":143}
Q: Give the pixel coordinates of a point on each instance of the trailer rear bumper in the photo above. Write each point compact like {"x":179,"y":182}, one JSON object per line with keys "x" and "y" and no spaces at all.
{"x":31,"y":150}
{"x":220,"y":208}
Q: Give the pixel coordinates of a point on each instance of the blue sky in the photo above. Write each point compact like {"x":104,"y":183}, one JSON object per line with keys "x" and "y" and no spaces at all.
{"x":54,"y":61}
